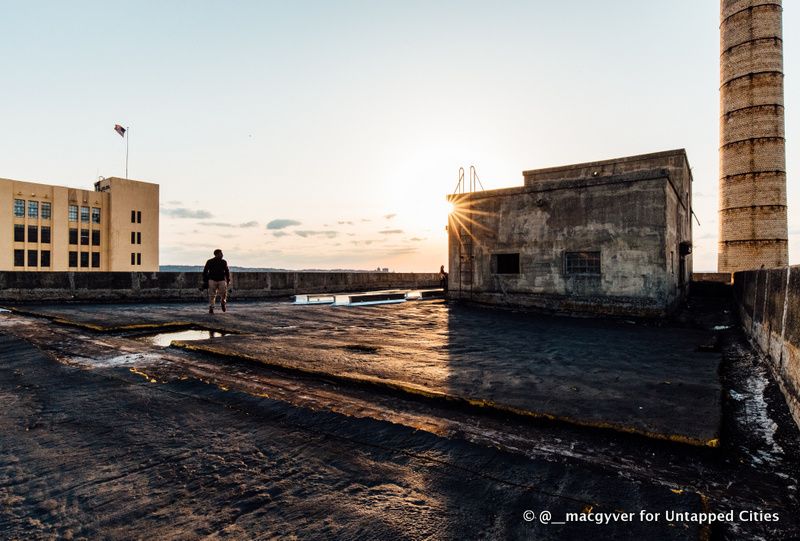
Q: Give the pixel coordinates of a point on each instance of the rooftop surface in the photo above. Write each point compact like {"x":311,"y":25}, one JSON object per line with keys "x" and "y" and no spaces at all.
{"x":418,"y":420}
{"x":633,"y":377}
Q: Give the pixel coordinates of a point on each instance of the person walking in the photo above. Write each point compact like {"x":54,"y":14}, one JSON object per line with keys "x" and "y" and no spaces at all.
{"x":443,"y":278}
{"x":217,"y":276}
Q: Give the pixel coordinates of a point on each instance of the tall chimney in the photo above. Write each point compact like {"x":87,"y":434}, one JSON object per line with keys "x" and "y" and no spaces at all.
{"x":752,"y":160}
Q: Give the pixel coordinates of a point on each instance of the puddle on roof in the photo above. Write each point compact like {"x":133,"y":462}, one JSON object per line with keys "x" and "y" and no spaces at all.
{"x":165,"y":339}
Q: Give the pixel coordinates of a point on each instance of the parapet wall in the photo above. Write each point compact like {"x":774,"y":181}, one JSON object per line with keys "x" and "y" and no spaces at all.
{"x":156,"y":286}
{"x":769,"y":306}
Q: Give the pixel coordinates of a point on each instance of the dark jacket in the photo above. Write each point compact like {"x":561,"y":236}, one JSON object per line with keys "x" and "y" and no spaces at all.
{"x":217,"y":270}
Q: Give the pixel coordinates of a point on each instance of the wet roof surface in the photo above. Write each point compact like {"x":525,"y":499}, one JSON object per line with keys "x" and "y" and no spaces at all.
{"x":631,"y":376}
{"x":104,"y":454}
{"x":107,"y":434}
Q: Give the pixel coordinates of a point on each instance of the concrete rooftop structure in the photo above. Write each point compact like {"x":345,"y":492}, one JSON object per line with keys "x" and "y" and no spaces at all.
{"x":606,"y":237}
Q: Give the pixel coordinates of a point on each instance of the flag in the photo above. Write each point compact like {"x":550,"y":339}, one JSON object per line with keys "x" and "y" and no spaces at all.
{"x":120,"y":130}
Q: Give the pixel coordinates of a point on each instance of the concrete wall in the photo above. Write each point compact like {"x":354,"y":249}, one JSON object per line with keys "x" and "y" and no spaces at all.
{"x":134,"y":286}
{"x":717,"y":277}
{"x":633,"y":211}
{"x":769,"y":306}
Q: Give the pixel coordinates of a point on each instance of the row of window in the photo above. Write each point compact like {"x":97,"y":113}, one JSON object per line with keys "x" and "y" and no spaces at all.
{"x":33,"y":258}
{"x":46,"y":208}
{"x":575,"y":263}
{"x":35,"y":236}
{"x":72,"y":214}
{"x":84,"y":238}
{"x":38,"y":258}
{"x":84,"y":256}
{"x":33,"y":209}
{"x":33,"y":233}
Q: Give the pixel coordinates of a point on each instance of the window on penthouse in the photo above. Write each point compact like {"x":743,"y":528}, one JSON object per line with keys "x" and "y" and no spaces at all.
{"x":505,"y":263}
{"x":73,"y":259}
{"x":73,"y":213}
{"x":95,"y":238}
{"x":33,"y":233}
{"x":47,"y":211}
{"x":84,"y":236}
{"x":45,"y":262}
{"x":95,"y":215}
{"x":19,"y":258}
{"x":73,"y":236}
{"x":19,"y":233}
{"x":84,"y":259}
{"x":84,"y":214}
{"x":95,"y":260}
{"x":45,"y":235}
{"x":19,"y":208}
{"x":33,"y":258}
{"x":582,"y":263}
{"x":33,"y":209}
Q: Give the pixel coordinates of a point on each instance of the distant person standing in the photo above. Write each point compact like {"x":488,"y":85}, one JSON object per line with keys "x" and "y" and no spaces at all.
{"x":217,"y":276}
{"x":443,"y":278}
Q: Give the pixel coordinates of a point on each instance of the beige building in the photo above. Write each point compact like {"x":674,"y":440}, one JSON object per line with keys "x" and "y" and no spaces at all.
{"x":54,"y":228}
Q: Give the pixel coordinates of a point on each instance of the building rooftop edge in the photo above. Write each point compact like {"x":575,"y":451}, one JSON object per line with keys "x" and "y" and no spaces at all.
{"x":129,"y":180}
{"x":654,"y":173}
{"x":90,"y":188}
{"x":624,"y":159}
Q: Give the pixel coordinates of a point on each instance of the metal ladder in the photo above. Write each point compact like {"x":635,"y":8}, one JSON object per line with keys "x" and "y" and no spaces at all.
{"x":466,"y":254}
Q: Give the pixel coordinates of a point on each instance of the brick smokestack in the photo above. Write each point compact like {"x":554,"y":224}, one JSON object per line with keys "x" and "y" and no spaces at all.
{"x":752,"y":157}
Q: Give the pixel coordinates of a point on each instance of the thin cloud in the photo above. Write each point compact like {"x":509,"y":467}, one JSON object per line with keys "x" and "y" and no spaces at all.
{"x":326,"y":233}
{"x":389,"y":216}
{"x":345,"y":223}
{"x":226,"y":224}
{"x":279,"y":233}
{"x":282,"y":223}
{"x":391,"y":232}
{"x":174,"y":203}
{"x":182,"y":212}
{"x":216,"y":224}
{"x":416,"y":239}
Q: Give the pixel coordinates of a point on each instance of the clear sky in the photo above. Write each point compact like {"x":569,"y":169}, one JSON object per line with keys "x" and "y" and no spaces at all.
{"x":327,"y":134}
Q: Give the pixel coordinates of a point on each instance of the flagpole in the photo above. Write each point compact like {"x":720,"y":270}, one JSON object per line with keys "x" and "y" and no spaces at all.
{"x":127,"y":142}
